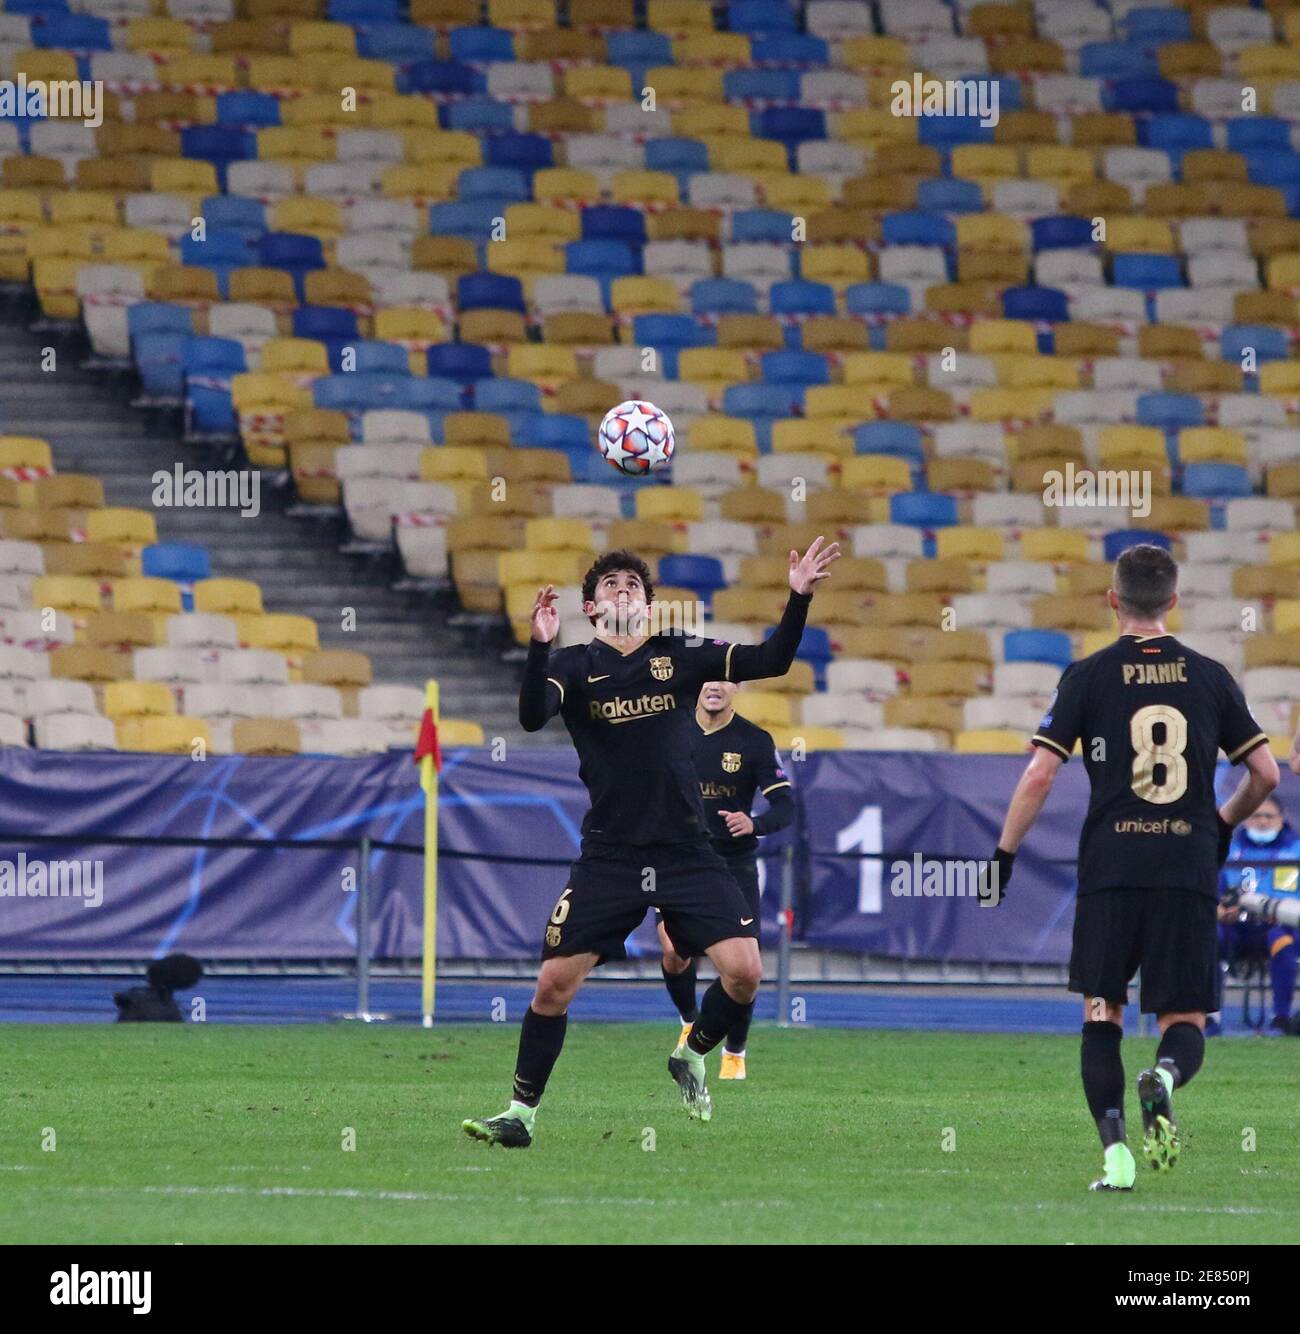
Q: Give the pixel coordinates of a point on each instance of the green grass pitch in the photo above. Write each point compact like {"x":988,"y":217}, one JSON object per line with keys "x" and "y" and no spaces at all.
{"x":228,"y":1134}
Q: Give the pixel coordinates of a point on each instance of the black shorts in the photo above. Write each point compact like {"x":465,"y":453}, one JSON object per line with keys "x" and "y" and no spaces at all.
{"x":611,"y":889}
{"x":1170,"y":934}
{"x":744,"y":871}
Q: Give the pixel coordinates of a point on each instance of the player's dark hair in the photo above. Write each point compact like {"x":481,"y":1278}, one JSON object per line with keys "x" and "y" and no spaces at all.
{"x":177,"y":972}
{"x":1146,"y":578}
{"x":618,"y":560}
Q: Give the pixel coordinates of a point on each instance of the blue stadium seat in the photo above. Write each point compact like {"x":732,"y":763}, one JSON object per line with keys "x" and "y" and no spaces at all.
{"x":181,"y":562}
{"x":614,"y":222}
{"x":1117,"y":60}
{"x":157,"y":317}
{"x":1148,"y":273}
{"x":1047,"y":304}
{"x":763,"y":404}
{"x":221,"y":248}
{"x":790,"y":125}
{"x":374,"y":357}
{"x":916,"y":228}
{"x":158,"y":360}
{"x":218,"y":144}
{"x":763,"y":225}
{"x":442,"y":76}
{"x":481,"y":44}
{"x":490,"y":291}
{"x":877,"y":299}
{"x":1175,"y":133}
{"x":646,"y":49}
{"x":471,"y":222}
{"x":480,"y":115}
{"x":1155,"y":27}
{"x":802,"y":368}
{"x":1011,"y":92}
{"x":1269,"y":342}
{"x":677,"y":155}
{"x":671,"y":331}
{"x":605,"y":260}
{"x":1114,"y":543}
{"x":1061,"y":233}
{"x":505,"y":395}
{"x":556,"y":430}
{"x":235,"y":213}
{"x":703,"y":575}
{"x":768,"y":85}
{"x":1140,"y":94}
{"x":461,"y":362}
{"x":760,"y":16}
{"x":525,"y":151}
{"x":798,"y":297}
{"x":398,"y":43}
{"x":1216,"y":481}
{"x":253,"y":110}
{"x":496,"y":183}
{"x":723,"y":296}
{"x":216,"y":360}
{"x":1170,"y":412}
{"x":923,"y":509}
{"x":70,"y":32}
{"x":946,"y":194}
{"x":1248,"y":134}
{"x":949,"y":131}
{"x":898,"y":439}
{"x":298,"y":254}
{"x":1050,"y":646}
{"x":1273,"y":167}
{"x":364,"y":11}
{"x":204,"y":355}
{"x":789,"y":48}
{"x":325,"y":323}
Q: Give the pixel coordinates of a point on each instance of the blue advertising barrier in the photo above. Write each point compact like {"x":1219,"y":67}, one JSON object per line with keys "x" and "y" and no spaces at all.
{"x":507,"y":832}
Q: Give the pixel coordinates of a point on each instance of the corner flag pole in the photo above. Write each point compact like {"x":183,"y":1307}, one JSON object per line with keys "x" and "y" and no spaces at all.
{"x":429,"y":757}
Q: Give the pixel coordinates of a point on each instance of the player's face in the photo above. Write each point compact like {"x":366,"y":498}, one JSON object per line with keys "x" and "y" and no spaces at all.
{"x":1267,"y":818}
{"x":619,"y":604}
{"x":716,"y":696}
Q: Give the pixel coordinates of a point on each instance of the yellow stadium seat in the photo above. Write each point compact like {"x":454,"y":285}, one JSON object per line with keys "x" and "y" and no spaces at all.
{"x":991,"y":336}
{"x":672,"y":504}
{"x":85,"y":208}
{"x":766,"y":708}
{"x":565,"y":185}
{"x":838,"y":400}
{"x":183,"y":176}
{"x":135,"y":245}
{"x":797,"y":435}
{"x":1216,"y":444}
{"x":1131,"y":442}
{"x":598,"y":82}
{"x":295,"y":356}
{"x":993,"y":232}
{"x":1269,"y":61}
{"x":1146,"y":236}
{"x":400,"y":324}
{"x":265,"y":736}
{"x":179,"y":735}
{"x":728,"y":434}
{"x":1059,"y":546}
{"x":1280,"y":377}
{"x":872,"y":126}
{"x":1059,"y":165}
{"x":525,"y":255}
{"x":284,"y":633}
{"x":147,"y":594}
{"x":451,"y":463}
{"x":138,"y":699}
{"x":74,"y":594}
{"x":712,"y":364}
{"x":547,"y":366}
{"x":989,"y":161}
{"x":962,"y":542}
{"x":679,"y":17}
{"x":25,"y":453}
{"x":881,"y":473}
{"x":159,"y":36}
{"x":312,"y":38}
{"x":644,"y":187}
{"x":711,"y":120}
{"x":794,"y":193}
{"x":543,"y":223}
{"x":992,"y":405}
{"x":295,"y":143}
{"x":121,"y":527}
{"x":267,"y":391}
{"x":1015,"y":371}
{"x":642,"y":296}
{"x":747,"y":156}
{"x":878,"y":369}
{"x":227,"y":597}
{"x":459,"y":732}
{"x":990,"y":741}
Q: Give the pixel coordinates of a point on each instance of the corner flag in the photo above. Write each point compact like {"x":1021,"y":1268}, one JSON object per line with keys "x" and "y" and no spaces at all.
{"x":428,"y":756}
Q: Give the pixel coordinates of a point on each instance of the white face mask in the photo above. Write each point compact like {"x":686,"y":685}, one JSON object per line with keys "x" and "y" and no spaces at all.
{"x":1262,"y":836}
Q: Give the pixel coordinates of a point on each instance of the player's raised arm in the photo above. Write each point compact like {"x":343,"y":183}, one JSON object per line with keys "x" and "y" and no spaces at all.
{"x":776,"y":654}
{"x":540,"y":695}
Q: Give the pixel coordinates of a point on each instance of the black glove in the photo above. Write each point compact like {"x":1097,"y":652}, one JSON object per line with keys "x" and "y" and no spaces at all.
{"x":998,"y":865}
{"x":1225,"y":837}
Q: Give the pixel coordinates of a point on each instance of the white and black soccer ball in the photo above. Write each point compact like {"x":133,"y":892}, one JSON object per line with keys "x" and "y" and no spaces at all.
{"x":636,"y":438}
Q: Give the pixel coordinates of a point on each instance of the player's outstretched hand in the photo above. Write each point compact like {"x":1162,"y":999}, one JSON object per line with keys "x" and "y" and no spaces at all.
{"x":545,"y":624}
{"x":812,"y":567}
{"x":995,"y":877}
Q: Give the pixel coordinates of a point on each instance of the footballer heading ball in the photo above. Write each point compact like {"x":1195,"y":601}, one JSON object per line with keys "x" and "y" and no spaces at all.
{"x":636,"y":437}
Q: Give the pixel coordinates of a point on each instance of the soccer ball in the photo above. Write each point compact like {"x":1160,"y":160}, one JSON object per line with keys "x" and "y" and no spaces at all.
{"x":636,"y":437}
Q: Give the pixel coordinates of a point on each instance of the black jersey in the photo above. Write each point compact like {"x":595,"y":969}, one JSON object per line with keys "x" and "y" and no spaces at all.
{"x":1151,"y":715}
{"x":632,"y":720}
{"x":733,"y":762}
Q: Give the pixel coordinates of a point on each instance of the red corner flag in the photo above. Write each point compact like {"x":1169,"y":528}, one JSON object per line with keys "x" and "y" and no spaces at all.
{"x":427,"y":742}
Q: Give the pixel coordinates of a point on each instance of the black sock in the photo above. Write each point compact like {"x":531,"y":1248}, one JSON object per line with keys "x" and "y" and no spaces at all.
{"x":681,"y":987}
{"x":541,"y":1039}
{"x":718,"y":1014}
{"x":1181,"y":1051}
{"x":738,"y":1033}
{"x":1102,"y":1068}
